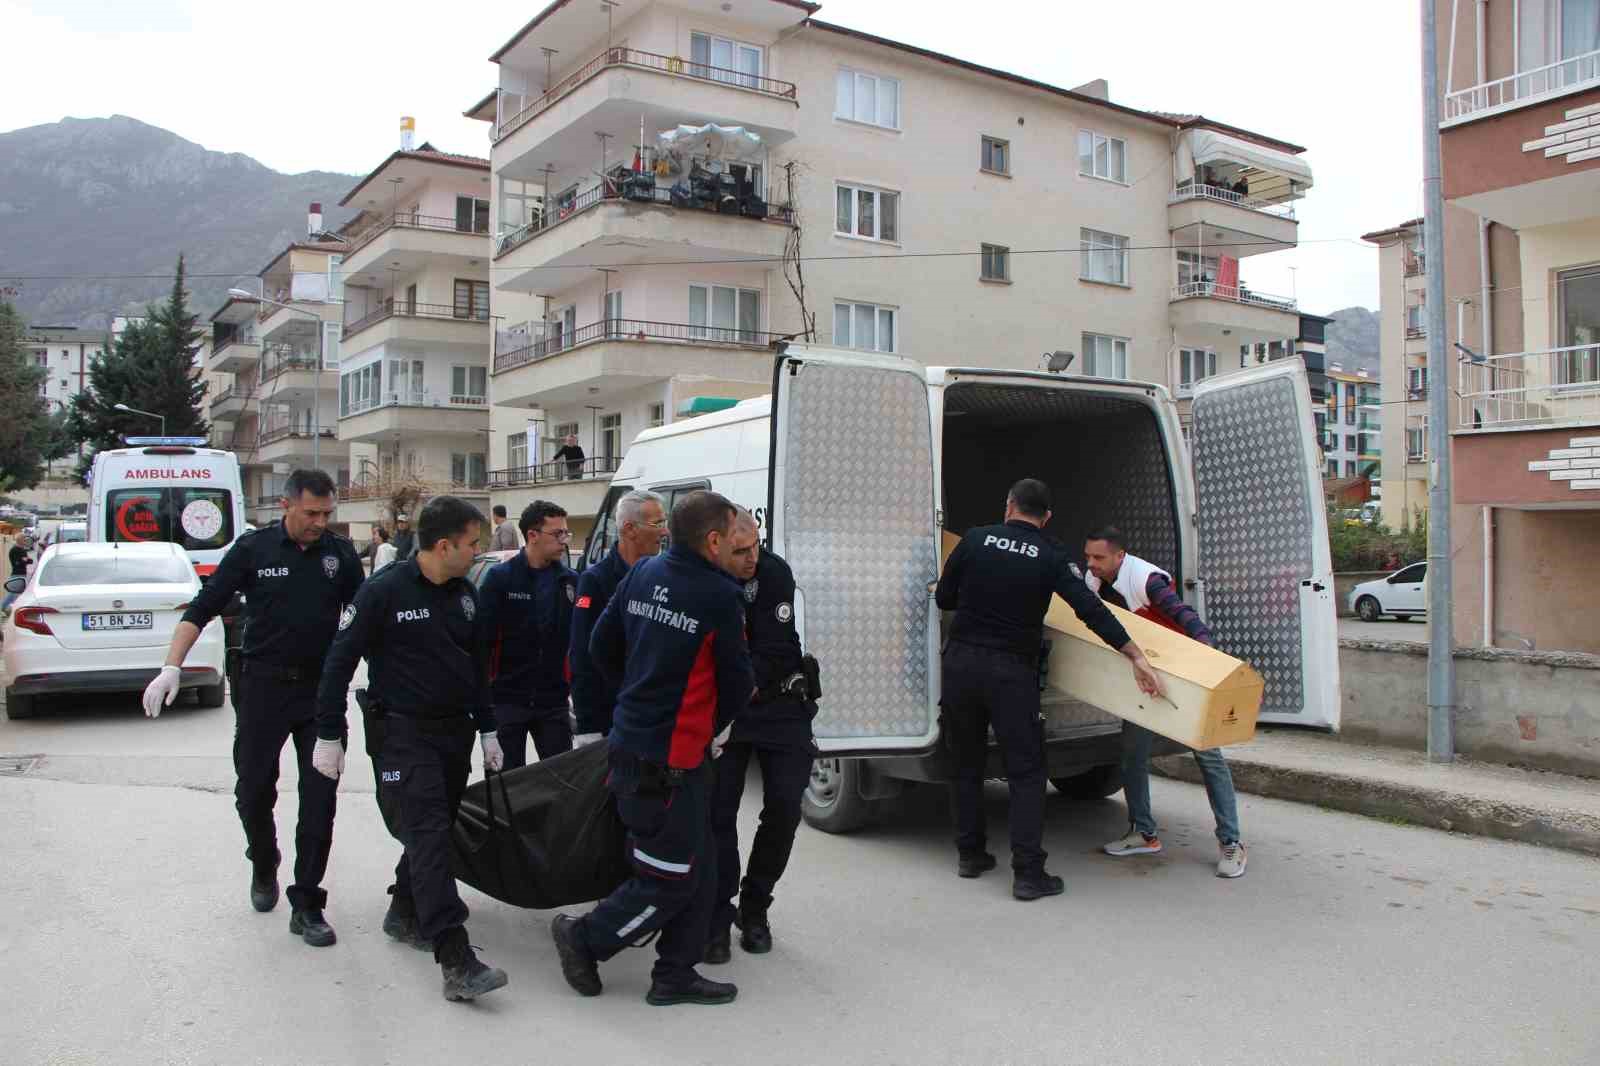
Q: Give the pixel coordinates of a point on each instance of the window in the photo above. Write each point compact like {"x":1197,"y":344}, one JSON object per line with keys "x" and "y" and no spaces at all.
{"x":1549,"y":31}
{"x":1349,"y":468}
{"x":469,"y":469}
{"x":718,"y":58}
{"x":469,"y":384}
{"x":158,"y":514}
{"x":1416,"y":322}
{"x":1194,"y":366}
{"x":611,"y":439}
{"x":996,"y":156}
{"x":472,"y":215}
{"x":1416,"y":382}
{"x":1578,"y":304}
{"x":520,"y":203}
{"x":115,"y":569}
{"x":1105,"y":357}
{"x":1195,"y":269}
{"x":1333,"y":468}
{"x":658,"y":415}
{"x":1417,"y":440}
{"x":867,"y":98}
{"x":866,"y":327}
{"x":720,"y":313}
{"x":1100,"y":156}
{"x":517,"y":450}
{"x":870,"y":213}
{"x":472,"y":299}
{"x":563,"y":430}
{"x":405,"y":382}
{"x":996,"y":262}
{"x":358,"y":390}
{"x":1350,"y":443}
{"x":1105,"y":257}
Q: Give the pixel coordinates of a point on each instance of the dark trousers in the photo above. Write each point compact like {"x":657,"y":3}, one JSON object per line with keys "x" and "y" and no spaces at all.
{"x":267,"y":713}
{"x":785,"y":771}
{"x":984,"y":687}
{"x":550,"y":728}
{"x":425,"y":770}
{"x":674,"y":881}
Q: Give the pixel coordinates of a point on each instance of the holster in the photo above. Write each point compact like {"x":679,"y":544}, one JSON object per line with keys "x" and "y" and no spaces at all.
{"x":372,"y":722}
{"x":813,"y":671}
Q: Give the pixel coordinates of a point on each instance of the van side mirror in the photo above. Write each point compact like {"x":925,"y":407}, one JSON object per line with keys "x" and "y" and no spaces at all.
{"x":15,"y":585}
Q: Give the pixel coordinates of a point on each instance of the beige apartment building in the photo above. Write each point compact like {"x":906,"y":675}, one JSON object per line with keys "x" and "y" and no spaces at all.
{"x":1403,"y":351}
{"x":644,"y":259}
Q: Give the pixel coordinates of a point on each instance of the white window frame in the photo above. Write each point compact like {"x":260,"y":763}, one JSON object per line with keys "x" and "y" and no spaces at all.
{"x":1576,"y":368}
{"x":846,"y":313}
{"x":994,"y":254}
{"x":1194,"y":267}
{"x":1113,"y":348}
{"x":658,"y":415}
{"x":1194,"y":366}
{"x":1416,"y":379}
{"x":610,"y":443}
{"x":853,"y":224}
{"x":734,"y":73}
{"x":1094,"y":243}
{"x":1095,"y":141}
{"x":987,"y":147}
{"x":859,"y":79}
{"x":469,"y":395}
{"x":708,"y":328}
{"x":517,"y":450}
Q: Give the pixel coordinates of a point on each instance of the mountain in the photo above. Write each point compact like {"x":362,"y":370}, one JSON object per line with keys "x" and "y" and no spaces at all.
{"x":118,"y":196}
{"x":1353,"y":340}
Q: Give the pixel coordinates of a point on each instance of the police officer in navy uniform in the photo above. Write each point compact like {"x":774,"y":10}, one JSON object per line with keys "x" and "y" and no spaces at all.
{"x":776,"y":731}
{"x":418,"y":626}
{"x":999,"y":581}
{"x":296,"y":576}
{"x":673,"y":639}
{"x":641,"y":523}
{"x":527,"y":614}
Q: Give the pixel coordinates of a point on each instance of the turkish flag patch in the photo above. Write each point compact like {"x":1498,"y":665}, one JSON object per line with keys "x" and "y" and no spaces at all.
{"x":584,"y":601}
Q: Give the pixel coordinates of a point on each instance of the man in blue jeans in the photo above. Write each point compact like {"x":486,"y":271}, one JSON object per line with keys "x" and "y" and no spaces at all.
{"x":1130,"y":582}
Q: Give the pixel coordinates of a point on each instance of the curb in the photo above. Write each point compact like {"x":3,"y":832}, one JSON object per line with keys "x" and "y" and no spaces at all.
{"x":1435,"y":808}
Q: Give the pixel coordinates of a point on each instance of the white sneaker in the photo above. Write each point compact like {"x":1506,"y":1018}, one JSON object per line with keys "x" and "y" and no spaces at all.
{"x":1135,"y":843}
{"x":1233,"y":860}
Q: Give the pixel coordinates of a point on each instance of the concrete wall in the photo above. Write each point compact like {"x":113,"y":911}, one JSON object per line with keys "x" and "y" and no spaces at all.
{"x":1535,"y":709}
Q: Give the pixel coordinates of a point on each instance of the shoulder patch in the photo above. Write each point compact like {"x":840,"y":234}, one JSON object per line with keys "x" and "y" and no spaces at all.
{"x":785,"y":612}
{"x":584,"y":602}
{"x":469,"y":606}
{"x":752,"y":589}
{"x":330,"y":566}
{"x":347,"y":616}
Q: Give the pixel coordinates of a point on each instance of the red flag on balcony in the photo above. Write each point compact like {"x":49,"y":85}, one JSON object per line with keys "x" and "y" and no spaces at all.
{"x":1228,"y":276}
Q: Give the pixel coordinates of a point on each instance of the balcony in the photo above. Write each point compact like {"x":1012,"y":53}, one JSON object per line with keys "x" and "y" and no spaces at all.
{"x":1521,"y":90}
{"x":1225,"y":316}
{"x":580,"y":488}
{"x":293,"y":444}
{"x":288,"y":374}
{"x":391,"y":415}
{"x":302,"y":316}
{"x":622,"y":354}
{"x":1415,"y":266}
{"x":1552,"y":389}
{"x":419,"y":323}
{"x":229,"y":404}
{"x":1246,"y":226}
{"x":234,"y":355}
{"x":410,"y":238}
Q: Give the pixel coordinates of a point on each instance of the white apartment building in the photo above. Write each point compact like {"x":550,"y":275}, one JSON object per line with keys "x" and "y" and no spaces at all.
{"x":65,"y":354}
{"x":941,"y":210}
{"x":1403,"y":350}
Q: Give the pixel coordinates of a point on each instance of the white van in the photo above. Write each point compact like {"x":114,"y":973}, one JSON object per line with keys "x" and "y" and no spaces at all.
{"x":172,"y":489}
{"x":857,"y":462}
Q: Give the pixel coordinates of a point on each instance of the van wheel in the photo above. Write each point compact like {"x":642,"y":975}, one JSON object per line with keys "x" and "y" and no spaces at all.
{"x":20,"y":706}
{"x":212,"y":695}
{"x":1368,"y":609}
{"x":832,"y":800}
{"x":1094,"y":784}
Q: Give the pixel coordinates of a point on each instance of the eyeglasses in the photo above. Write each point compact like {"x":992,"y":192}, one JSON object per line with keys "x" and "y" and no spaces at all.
{"x":563,"y":535}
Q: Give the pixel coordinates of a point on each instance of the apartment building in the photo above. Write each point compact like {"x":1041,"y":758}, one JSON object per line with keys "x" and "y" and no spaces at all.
{"x":1520,"y":133}
{"x":415,"y":352}
{"x":1403,"y":355}
{"x":1351,"y":429}
{"x":669,"y":178}
{"x":65,"y":354}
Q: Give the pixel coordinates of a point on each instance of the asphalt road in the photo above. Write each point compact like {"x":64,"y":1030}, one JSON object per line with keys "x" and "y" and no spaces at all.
{"x":127,"y":938}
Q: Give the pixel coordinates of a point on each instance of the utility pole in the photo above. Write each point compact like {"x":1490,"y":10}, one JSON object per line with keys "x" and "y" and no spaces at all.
{"x":1441,"y":661}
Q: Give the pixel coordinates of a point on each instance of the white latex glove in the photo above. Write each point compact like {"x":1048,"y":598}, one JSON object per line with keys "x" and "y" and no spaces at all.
{"x":494,"y":757}
{"x":327,"y":758}
{"x":582,"y":739}
{"x":720,"y":741}
{"x":161,"y":691}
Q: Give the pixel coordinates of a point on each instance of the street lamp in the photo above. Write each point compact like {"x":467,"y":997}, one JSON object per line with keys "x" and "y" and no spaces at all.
{"x":316,"y":399}
{"x":148,"y":414}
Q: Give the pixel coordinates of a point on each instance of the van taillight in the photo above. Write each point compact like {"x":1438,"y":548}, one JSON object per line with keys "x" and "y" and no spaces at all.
{"x":32,"y":619}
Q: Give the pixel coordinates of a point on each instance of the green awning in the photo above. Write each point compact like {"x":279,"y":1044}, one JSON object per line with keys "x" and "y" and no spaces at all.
{"x":704,"y":405}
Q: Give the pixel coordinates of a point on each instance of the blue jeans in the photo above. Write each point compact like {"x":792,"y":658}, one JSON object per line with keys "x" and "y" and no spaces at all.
{"x":1136,"y":743}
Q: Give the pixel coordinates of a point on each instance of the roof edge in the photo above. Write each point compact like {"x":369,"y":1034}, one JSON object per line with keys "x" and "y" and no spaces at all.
{"x":472,"y":112}
{"x":466,"y":162}
{"x":1403,"y":227}
{"x":557,"y":5}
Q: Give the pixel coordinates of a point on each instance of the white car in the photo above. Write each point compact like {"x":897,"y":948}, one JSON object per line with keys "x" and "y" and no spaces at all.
{"x":1401,"y":594}
{"x":98,"y":618}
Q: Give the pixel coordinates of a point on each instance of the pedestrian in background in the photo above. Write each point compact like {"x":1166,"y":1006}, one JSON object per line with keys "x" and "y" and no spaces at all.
{"x":405,"y":541}
{"x":573,"y":455}
{"x":504,"y":537}
{"x":382,"y":549}
{"x":20,"y":561}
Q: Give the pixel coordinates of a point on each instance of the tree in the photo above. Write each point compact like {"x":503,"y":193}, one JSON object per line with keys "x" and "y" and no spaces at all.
{"x":151,"y":368}
{"x":26,"y":434}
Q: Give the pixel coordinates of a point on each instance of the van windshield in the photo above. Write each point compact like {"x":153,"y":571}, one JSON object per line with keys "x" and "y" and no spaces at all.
{"x":193,"y":518}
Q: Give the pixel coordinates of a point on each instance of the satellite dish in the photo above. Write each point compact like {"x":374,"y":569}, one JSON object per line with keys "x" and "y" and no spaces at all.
{"x":1057,"y":362}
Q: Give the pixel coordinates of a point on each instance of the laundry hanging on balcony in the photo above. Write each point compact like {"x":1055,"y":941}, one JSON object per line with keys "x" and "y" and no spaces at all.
{"x":722,"y":164}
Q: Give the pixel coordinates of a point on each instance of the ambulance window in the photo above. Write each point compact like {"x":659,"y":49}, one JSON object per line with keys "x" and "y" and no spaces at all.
{"x":191,"y":517}
{"x":604,"y":537}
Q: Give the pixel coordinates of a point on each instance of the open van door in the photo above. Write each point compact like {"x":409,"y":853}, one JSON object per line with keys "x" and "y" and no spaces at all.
{"x":1264,"y":563}
{"x":851,"y":497}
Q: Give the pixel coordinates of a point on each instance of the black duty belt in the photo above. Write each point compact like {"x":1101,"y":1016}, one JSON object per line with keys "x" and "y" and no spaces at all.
{"x":276,"y":672}
{"x":437,"y":724}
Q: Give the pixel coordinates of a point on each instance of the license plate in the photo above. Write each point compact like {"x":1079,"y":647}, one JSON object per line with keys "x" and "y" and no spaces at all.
{"x":122,"y":621}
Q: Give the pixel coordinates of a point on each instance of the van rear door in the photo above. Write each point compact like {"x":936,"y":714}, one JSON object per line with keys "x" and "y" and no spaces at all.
{"x":852,"y":499}
{"x":1264,"y":564}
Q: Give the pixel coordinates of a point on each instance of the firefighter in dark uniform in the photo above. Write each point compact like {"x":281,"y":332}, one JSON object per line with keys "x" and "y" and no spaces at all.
{"x":417,"y":624}
{"x":999,"y":581}
{"x":641,"y":523}
{"x":295,"y":576}
{"x":673,"y":639}
{"x":776,"y":730}
{"x":527,"y":620}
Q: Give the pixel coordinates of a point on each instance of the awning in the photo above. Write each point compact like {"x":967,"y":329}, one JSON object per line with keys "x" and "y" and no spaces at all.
{"x":711,"y":141}
{"x":1209,"y":146}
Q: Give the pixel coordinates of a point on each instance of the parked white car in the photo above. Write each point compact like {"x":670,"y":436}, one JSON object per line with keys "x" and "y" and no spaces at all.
{"x":1401,"y":594}
{"x":97,"y":617}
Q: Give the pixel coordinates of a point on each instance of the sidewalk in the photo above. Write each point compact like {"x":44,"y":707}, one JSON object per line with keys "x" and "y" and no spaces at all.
{"x":1533,"y":806}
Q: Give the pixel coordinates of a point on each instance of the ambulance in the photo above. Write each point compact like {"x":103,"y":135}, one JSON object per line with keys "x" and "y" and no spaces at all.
{"x":171,"y":489}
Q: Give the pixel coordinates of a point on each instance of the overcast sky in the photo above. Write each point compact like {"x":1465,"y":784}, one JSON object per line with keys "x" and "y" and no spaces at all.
{"x":319,"y":85}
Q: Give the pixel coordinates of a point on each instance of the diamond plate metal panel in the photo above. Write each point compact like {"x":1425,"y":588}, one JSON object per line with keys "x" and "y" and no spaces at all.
{"x":858,"y":532}
{"x":1255,"y":530}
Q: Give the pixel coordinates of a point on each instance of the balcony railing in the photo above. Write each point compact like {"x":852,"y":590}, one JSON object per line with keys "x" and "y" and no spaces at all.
{"x":273,"y":434}
{"x":1233,"y":293}
{"x":421,"y":398}
{"x":555,"y":472}
{"x":1415,"y":265}
{"x":1519,"y":90}
{"x":412,"y":220}
{"x":1416,"y":332}
{"x":628,"y":329}
{"x":383,"y":488}
{"x":251,"y":341}
{"x":633,"y":57}
{"x":1218,"y":194}
{"x":1557,"y":387}
{"x":287,"y":363}
{"x":230,"y":393}
{"x":403,"y":309}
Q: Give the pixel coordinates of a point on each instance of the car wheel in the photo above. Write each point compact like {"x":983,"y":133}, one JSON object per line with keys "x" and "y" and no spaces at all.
{"x":1094,"y":784}
{"x":212,"y":695}
{"x":1369,"y":610}
{"x":832,"y":800}
{"x":20,"y":706}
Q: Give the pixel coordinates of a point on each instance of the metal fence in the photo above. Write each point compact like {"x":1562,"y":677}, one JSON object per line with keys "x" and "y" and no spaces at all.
{"x":1218,"y":194}
{"x":1529,"y":85}
{"x":405,"y":309}
{"x":1555,"y":387}
{"x":1234,"y":293}
{"x":630,"y":329}
{"x":412,"y":220}
{"x":555,"y":472}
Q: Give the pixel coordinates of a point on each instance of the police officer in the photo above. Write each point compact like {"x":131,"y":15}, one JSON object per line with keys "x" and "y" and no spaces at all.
{"x":673,"y":640}
{"x":641,"y":521}
{"x":417,"y":624}
{"x":776,"y":730}
{"x":295,"y":575}
{"x":998,"y":581}
{"x":527,"y":621}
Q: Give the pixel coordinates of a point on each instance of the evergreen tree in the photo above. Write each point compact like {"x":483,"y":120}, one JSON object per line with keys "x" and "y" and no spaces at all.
{"x":27,"y":440}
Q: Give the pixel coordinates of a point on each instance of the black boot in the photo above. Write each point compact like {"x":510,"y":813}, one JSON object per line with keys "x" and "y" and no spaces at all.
{"x":691,"y":989}
{"x":307,"y":924}
{"x":578,"y":965}
{"x":264,"y":890}
{"x":400,"y":923}
{"x":975,"y":865}
{"x":465,"y":978}
{"x":1036,"y":884}
{"x":755,"y":935}
{"x":718,"y":949}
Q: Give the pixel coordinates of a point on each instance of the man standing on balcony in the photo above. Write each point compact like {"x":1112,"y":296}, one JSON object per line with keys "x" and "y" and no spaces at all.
{"x":573,"y":454}
{"x":505,"y":534}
